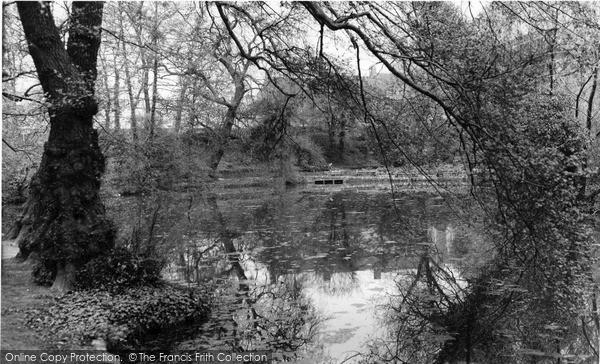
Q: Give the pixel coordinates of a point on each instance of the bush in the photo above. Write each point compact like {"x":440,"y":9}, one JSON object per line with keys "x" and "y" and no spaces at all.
{"x":261,"y":141}
{"x":120,"y":269}
{"x":125,"y":320}
{"x":122,"y":299}
{"x":165,"y":163}
{"x":266,"y":142}
{"x":44,"y":272}
{"x":14,"y":184}
{"x":309,"y":155}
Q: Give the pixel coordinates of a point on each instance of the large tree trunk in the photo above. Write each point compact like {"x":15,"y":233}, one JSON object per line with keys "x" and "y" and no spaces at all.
{"x":64,"y":224}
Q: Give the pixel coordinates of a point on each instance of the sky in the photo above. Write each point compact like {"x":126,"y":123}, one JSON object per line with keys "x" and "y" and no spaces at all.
{"x":475,"y":6}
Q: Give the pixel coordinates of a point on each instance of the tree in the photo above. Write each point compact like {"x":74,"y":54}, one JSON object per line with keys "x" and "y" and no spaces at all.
{"x":23,"y":113}
{"x":220,"y":76}
{"x":64,"y":223}
{"x":513,"y":125}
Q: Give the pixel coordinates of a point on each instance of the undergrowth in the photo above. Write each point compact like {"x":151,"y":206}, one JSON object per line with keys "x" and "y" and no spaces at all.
{"x":121,"y":298}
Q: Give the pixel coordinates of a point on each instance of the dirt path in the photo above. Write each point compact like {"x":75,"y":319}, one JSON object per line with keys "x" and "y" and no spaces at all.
{"x":19,"y":294}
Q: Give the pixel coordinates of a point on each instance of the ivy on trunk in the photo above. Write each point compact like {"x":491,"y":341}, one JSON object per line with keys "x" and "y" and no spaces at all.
{"x":64,"y":222}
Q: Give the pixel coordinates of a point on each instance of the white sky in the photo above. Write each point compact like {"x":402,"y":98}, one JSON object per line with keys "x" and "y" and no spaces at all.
{"x":476,"y":6}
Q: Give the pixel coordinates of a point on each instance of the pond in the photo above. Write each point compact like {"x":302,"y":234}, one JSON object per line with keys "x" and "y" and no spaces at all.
{"x":304,"y":273}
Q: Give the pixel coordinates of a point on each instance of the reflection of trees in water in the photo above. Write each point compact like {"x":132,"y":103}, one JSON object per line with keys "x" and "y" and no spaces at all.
{"x":339,"y":284}
{"x":290,"y":232}
{"x":438,"y":317}
{"x":345,"y":231}
{"x":294,"y":240}
{"x":415,"y":318}
{"x":248,"y":315}
{"x":273,"y":317}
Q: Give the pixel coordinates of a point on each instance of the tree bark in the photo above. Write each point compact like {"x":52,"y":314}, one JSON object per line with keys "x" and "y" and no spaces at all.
{"x":145,"y":69}
{"x":152,"y":125}
{"x":223,"y":137}
{"x":232,"y":107}
{"x":331,"y":131}
{"x":152,"y":120}
{"x":116,"y":94}
{"x":108,"y":106}
{"x":552,"y":45}
{"x":193,"y":108}
{"x":132,"y":100}
{"x":180,"y":102}
{"x":590,"y":108}
{"x":342,"y":136}
{"x":64,"y":224}
{"x":583,"y":180}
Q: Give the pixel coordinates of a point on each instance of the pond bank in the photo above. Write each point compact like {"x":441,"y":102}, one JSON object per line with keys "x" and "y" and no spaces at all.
{"x":446,"y":178}
{"x":38,"y":318}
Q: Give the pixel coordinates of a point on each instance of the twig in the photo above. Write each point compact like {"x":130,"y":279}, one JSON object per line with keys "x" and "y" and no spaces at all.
{"x":20,"y":98}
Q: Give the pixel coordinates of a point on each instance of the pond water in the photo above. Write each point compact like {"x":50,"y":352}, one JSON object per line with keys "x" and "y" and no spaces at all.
{"x":304,"y":273}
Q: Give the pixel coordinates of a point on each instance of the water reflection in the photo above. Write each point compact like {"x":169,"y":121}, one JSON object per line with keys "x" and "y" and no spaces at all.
{"x":409,"y":313}
{"x":300,"y":272}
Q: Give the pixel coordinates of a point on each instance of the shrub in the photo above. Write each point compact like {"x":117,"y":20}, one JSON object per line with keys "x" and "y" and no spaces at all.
{"x":261,"y":141}
{"x":149,"y":311}
{"x":44,"y":272}
{"x":121,"y":298}
{"x":119,"y":270}
{"x":309,"y":155}
{"x":165,"y":163}
{"x":123,"y":319}
{"x":14,"y":183}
